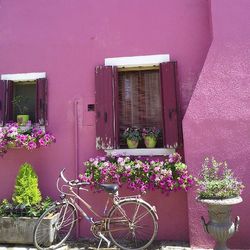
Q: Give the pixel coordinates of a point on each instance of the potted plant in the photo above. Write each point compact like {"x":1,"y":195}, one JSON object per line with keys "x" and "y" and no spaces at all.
{"x":18,"y":218}
{"x":150,"y":136}
{"x":132,"y":136}
{"x":21,"y":104}
{"x":219,"y":189}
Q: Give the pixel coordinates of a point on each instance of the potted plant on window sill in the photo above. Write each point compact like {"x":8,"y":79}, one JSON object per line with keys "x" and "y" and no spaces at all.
{"x":219,"y":189}
{"x":132,"y":136}
{"x":150,"y":136}
{"x":21,"y":104}
{"x":18,"y":218}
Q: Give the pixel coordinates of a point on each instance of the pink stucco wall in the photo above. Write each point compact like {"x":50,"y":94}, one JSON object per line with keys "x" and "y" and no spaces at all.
{"x":217,"y":120}
{"x":67,"y":39}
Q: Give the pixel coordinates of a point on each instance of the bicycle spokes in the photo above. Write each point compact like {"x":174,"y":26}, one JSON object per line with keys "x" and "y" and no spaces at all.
{"x":132,"y":225}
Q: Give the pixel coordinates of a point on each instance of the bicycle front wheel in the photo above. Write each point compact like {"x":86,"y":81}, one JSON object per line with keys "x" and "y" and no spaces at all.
{"x":54,"y":226}
{"x":132,"y":224}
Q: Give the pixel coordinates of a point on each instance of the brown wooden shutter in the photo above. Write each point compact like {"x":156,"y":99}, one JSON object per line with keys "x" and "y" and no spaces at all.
{"x":171,"y":105}
{"x":2,"y":102}
{"x":106,"y":104}
{"x":9,"y":96}
{"x":41,"y":101}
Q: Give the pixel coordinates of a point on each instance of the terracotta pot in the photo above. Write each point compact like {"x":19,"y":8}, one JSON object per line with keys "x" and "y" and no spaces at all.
{"x":220,"y":225}
{"x":132,"y":143}
{"x":150,"y":142}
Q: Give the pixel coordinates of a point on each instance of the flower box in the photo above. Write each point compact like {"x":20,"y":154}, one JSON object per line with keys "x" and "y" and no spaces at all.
{"x":166,"y":174}
{"x":28,"y":137}
{"x":19,"y":230}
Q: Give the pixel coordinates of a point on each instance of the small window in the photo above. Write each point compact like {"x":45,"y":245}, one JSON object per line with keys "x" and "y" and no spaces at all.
{"x":24,"y":100}
{"x":23,"y":95}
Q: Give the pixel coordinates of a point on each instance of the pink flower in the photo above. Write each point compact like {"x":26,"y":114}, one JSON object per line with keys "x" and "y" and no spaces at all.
{"x":157,"y":169}
{"x":42,"y":142}
{"x":31,"y":145}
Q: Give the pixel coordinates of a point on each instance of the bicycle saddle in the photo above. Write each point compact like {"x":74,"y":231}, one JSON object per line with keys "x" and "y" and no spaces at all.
{"x":110,"y":188}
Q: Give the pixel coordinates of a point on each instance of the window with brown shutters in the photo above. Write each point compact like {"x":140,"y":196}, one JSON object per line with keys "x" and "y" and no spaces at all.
{"x":34,"y":100}
{"x":137,"y":98}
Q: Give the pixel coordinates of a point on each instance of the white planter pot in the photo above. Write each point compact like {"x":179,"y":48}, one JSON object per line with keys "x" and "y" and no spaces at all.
{"x":220,"y":225}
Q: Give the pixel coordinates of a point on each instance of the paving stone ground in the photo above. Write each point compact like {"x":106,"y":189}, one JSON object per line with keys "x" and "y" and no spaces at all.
{"x":156,"y":245}
{"x":83,"y":244}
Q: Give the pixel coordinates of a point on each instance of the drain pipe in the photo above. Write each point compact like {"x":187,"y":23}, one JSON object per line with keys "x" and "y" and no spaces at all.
{"x":76,"y":155}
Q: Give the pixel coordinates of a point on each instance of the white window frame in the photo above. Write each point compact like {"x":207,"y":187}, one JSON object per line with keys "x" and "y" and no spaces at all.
{"x":137,"y":61}
{"x":22,"y":77}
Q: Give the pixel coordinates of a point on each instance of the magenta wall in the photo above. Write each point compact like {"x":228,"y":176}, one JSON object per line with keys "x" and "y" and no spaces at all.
{"x":217,"y":120}
{"x":67,"y":39}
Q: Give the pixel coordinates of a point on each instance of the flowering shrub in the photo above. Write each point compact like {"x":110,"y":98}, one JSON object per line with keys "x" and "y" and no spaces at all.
{"x":132,"y":134}
{"x":143,"y":175}
{"x":29,"y":138}
{"x":216,"y":181}
{"x":152,"y":132}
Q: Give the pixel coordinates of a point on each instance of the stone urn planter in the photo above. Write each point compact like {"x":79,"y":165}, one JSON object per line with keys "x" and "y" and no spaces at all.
{"x":220,"y":225}
{"x":19,"y":230}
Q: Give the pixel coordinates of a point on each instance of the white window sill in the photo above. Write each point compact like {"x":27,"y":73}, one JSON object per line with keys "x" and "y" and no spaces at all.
{"x":141,"y":151}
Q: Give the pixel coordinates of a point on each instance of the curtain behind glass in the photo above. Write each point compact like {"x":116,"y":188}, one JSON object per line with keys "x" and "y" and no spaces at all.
{"x":140,"y":102}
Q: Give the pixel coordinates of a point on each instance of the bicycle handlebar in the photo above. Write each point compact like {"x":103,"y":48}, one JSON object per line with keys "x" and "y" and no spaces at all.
{"x":72,"y":182}
{"x":63,"y":177}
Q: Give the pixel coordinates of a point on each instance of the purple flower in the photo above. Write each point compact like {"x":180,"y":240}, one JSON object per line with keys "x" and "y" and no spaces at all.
{"x":120,"y":159}
{"x":174,"y":158}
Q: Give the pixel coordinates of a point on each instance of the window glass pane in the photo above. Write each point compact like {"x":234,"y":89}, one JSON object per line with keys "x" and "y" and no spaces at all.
{"x":28,"y":93}
{"x":140,"y":102}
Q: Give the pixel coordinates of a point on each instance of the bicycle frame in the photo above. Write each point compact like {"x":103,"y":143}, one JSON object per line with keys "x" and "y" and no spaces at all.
{"x":74,"y":198}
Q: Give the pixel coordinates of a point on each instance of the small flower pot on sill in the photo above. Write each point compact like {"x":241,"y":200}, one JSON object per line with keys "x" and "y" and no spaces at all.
{"x":22,"y":119}
{"x":132,"y":143}
{"x":150,"y":141}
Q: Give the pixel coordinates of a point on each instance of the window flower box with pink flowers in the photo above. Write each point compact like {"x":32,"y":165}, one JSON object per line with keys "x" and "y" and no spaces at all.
{"x":29,"y":137}
{"x":138,"y":174}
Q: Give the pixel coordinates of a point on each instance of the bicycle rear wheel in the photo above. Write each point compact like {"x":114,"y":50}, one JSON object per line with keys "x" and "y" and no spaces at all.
{"x":132,"y":224}
{"x":54,"y":226}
